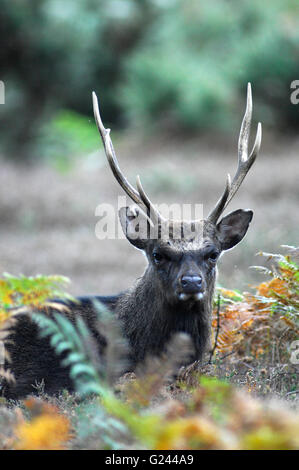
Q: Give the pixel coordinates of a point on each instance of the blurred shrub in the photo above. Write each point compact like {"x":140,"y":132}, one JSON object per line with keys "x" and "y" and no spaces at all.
{"x":53,"y":54}
{"x":65,"y":136}
{"x":184,"y":63}
{"x":193,"y":64}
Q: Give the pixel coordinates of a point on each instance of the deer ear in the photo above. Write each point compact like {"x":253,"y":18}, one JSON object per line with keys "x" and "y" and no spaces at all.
{"x":135,"y":225}
{"x":233,"y":227}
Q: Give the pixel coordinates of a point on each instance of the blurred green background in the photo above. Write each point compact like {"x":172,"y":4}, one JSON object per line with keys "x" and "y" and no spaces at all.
{"x":174,"y":65}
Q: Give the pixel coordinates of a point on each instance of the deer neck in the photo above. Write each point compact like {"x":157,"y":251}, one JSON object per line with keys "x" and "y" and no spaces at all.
{"x":149,"y":319}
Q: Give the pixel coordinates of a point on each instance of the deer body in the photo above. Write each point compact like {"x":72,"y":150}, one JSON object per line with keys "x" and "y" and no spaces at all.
{"x":175,"y":293}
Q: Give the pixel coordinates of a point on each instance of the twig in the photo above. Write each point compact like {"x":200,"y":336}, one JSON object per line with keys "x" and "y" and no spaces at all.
{"x":226,"y":355}
{"x":217,"y":330}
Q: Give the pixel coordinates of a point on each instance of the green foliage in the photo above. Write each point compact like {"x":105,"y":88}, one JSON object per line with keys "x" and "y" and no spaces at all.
{"x":184,"y":63}
{"x":217,"y":396}
{"x":30,"y":291}
{"x":66,"y":136}
{"x":193,"y":64}
{"x":96,"y":429}
{"x":54,"y":54}
{"x":65,"y":337}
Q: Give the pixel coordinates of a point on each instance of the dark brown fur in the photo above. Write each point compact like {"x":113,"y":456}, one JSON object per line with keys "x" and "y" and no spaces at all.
{"x":150,"y":312}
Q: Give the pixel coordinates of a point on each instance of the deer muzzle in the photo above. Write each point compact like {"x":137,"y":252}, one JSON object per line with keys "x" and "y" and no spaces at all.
{"x":190,"y":287}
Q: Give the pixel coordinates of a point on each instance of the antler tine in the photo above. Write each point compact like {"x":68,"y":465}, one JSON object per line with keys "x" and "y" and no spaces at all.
{"x":244,"y":162}
{"x":110,"y":153}
{"x":153,"y":212}
{"x":245,"y":128}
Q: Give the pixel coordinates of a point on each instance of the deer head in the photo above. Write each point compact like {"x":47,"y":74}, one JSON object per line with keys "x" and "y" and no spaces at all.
{"x":182,"y":255}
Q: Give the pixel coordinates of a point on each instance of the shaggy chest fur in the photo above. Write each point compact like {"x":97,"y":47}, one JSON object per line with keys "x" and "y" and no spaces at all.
{"x":149,"y":320}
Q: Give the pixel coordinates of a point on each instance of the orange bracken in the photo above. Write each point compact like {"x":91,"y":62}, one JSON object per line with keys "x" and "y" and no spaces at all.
{"x":45,"y":432}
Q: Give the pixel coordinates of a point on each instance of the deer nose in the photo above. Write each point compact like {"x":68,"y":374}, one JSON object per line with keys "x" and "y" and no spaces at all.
{"x":191,"y":284}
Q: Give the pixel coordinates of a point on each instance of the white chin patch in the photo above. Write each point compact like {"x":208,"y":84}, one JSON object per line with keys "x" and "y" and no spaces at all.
{"x":196,"y":297}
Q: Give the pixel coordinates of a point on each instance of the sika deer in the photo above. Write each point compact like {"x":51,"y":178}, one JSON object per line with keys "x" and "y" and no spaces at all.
{"x":174,"y":294}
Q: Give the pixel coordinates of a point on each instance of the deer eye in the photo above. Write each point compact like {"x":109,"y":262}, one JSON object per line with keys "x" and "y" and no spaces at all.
{"x":213,"y":256}
{"x":158,"y":257}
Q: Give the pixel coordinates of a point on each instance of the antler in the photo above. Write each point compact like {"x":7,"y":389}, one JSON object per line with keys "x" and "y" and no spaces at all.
{"x":244,"y":162}
{"x":138,"y":196}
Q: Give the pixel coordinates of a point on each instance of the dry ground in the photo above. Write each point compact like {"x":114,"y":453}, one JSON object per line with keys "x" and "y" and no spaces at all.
{"x":48,"y":218}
